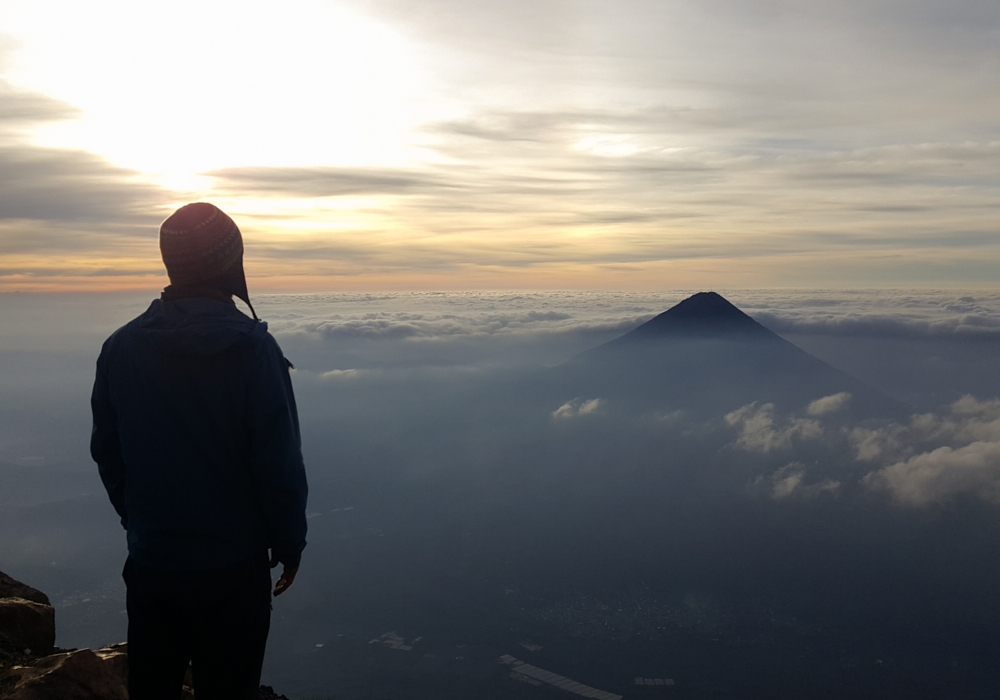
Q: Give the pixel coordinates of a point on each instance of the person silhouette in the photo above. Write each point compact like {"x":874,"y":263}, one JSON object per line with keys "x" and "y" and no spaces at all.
{"x":196,"y":438}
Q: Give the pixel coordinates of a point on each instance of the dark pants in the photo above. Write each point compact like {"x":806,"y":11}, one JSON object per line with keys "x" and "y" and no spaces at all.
{"x":217,"y":620}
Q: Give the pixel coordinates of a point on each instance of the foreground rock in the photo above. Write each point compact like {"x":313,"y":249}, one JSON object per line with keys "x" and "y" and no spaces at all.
{"x":29,"y":670}
{"x":28,"y":626}
{"x":9,"y":588}
{"x":78,"y":675}
{"x":82,"y":674}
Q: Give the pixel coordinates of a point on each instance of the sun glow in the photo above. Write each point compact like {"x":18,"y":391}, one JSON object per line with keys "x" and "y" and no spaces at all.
{"x":176,"y":89}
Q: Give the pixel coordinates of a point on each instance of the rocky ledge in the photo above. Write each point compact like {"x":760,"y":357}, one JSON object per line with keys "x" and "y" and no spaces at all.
{"x":32,"y":668}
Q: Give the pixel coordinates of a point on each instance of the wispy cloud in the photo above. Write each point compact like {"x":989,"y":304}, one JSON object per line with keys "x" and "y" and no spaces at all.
{"x":56,"y":184}
{"x":617,"y":144}
{"x":325,"y":181}
{"x":68,"y":213}
{"x":536,"y":189}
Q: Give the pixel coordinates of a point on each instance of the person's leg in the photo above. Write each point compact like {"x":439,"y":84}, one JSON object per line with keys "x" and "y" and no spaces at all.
{"x":157,"y":657}
{"x":234,"y":619}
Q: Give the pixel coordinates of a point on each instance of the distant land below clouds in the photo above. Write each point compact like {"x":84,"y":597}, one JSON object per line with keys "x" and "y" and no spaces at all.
{"x":474,"y":470}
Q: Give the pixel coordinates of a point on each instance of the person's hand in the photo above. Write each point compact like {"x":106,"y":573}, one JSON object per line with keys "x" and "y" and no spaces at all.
{"x":286,"y":579}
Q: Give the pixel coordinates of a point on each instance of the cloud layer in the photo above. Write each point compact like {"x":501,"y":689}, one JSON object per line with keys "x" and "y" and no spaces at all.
{"x":887,"y":313}
{"x":855,"y":314}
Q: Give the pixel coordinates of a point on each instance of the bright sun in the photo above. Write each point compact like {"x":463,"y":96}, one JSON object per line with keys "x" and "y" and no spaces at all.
{"x":179,"y":88}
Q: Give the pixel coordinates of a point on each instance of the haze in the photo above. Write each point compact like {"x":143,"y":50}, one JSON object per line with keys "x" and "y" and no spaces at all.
{"x":472,"y":488}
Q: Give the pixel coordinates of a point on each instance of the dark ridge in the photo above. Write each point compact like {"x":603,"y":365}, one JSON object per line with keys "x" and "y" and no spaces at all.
{"x":706,"y":314}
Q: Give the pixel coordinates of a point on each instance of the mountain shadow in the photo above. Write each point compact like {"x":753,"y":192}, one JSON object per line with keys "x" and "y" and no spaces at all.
{"x":705,"y":356}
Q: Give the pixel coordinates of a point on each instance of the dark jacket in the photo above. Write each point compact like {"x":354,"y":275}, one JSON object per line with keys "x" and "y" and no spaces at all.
{"x":196,"y":437}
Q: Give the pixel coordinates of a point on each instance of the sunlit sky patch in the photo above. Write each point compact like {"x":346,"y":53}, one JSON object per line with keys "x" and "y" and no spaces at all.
{"x":542,"y":144}
{"x":176,"y":89}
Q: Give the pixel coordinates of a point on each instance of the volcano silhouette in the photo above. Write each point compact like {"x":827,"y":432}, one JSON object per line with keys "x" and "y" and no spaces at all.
{"x":707,"y":356}
{"x":704,"y":315}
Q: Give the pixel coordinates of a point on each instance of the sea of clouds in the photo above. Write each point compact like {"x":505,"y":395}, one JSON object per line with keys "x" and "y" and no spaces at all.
{"x":388,"y":385}
{"x":928,"y":347}
{"x":940,"y":454}
{"x":429,"y":315}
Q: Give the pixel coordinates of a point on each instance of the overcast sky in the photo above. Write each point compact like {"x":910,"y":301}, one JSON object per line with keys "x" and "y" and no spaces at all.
{"x":377,"y":144}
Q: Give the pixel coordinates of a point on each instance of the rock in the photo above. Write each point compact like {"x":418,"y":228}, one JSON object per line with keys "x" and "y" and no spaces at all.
{"x":28,"y":631}
{"x":9,"y":588}
{"x":74,"y":675}
{"x":25,"y":624}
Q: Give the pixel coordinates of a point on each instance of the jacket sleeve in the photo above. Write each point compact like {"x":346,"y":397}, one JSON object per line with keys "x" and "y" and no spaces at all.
{"x":105,"y":446}
{"x":276,"y":453}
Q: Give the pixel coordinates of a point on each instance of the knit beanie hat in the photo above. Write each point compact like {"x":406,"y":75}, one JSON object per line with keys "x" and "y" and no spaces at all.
{"x":199,"y":243}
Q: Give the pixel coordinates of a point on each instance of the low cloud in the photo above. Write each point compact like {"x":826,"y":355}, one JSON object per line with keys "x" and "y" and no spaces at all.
{"x":335,"y":374}
{"x":577,"y":407}
{"x":790,"y":482}
{"x":760,"y":432}
{"x":871,"y":444}
{"x":828,"y":404}
{"x":943,"y":474}
{"x":971,"y":407}
{"x":936,"y":458}
{"x":670,"y":417}
{"x":965,"y":421}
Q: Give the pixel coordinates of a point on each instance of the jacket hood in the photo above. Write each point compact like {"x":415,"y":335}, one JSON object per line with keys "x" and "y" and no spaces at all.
{"x":197,"y":326}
